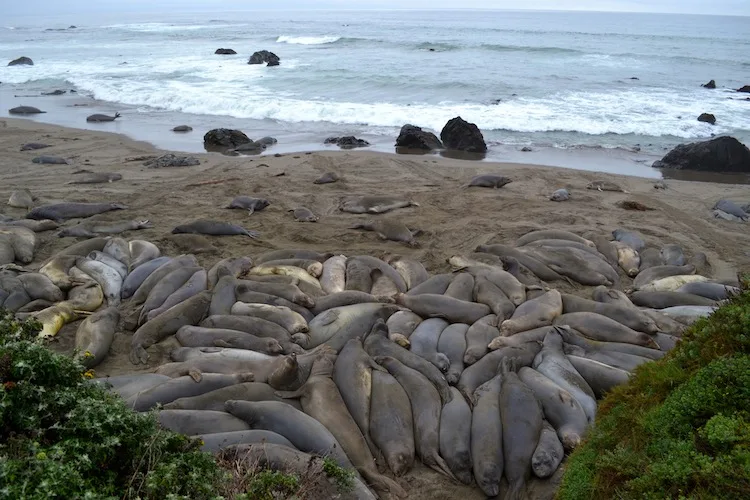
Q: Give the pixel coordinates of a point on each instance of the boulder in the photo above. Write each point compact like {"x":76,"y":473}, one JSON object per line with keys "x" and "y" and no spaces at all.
{"x":413,"y":137}
{"x":225,"y":52}
{"x":347,"y":142}
{"x":171,"y":160}
{"x":709,"y":85}
{"x":224,"y":138}
{"x":708,"y":118}
{"x":722,"y":154}
{"x":264,"y":56}
{"x":21,"y":61}
{"x":745,"y":88}
{"x":461,"y":135}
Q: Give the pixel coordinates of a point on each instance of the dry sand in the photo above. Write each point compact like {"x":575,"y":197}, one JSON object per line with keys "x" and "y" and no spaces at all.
{"x":454,"y":219}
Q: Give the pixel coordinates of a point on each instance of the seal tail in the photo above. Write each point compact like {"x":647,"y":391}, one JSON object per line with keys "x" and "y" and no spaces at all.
{"x":385,"y":484}
{"x":437,"y":463}
{"x":516,"y":491}
{"x":117,"y":115}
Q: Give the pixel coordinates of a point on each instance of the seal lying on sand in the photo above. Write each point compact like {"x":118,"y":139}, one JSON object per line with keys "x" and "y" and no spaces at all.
{"x":50,"y":160}
{"x":303,"y":214}
{"x":390,"y":230}
{"x":248,"y":203}
{"x":102,"y":118}
{"x":374,"y":204}
{"x":327,"y":178}
{"x":489,"y":181}
{"x":214,"y":228}
{"x":91,"y":229}
{"x":62,"y":211}
{"x":96,"y":178}
{"x":21,"y":198}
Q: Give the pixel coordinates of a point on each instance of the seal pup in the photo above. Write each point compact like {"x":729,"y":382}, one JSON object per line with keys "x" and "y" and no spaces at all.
{"x":22,"y":198}
{"x":214,"y":228}
{"x":489,"y":181}
{"x":248,"y":203}
{"x":560,"y":195}
{"x":31,"y":146}
{"x":390,"y":230}
{"x":303,"y":214}
{"x":374,"y":204}
{"x":605,"y":186}
{"x":95,"y":118}
{"x":50,"y":160}
{"x":97,"y":178}
{"x":61,"y":211}
{"x":327,"y":178}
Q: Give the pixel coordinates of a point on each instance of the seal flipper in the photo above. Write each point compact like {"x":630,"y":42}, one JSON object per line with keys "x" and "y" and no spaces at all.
{"x":290,"y":394}
{"x":195,"y":374}
{"x":138,"y":355}
{"x":438,"y":464}
{"x":223,"y":343}
{"x":371,"y":362}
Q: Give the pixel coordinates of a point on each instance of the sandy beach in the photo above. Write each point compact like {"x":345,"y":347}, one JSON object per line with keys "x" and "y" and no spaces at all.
{"x":454,"y":219}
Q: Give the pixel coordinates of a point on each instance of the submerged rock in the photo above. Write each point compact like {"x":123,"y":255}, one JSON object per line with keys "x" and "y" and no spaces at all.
{"x":347,"y":142}
{"x":264,"y":56}
{"x":722,"y":154}
{"x":709,"y":85}
{"x":707,"y":118}
{"x":463,"y":136}
{"x":225,"y":52}
{"x":745,"y":88}
{"x":413,"y":137}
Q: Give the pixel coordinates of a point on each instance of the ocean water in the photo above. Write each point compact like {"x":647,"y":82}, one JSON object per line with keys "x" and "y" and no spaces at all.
{"x":539,"y":79}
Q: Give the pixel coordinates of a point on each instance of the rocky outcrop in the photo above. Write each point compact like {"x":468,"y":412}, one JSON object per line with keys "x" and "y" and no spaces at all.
{"x":745,"y":88}
{"x":709,"y":85}
{"x":347,"y":142}
{"x":225,"y":52}
{"x":224,"y":138}
{"x":264,"y":56}
{"x":722,"y":154}
{"x":171,"y":160}
{"x":21,"y":61}
{"x":707,"y":118}
{"x":413,"y":137}
{"x":461,"y":135}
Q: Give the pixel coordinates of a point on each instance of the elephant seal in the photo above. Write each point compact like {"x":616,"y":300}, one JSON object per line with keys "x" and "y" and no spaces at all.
{"x":304,"y":432}
{"x":604,"y":329}
{"x":401,"y":325}
{"x":628,"y":316}
{"x":672,"y":255}
{"x":700,"y":262}
{"x":39,"y":286}
{"x":193,"y":286}
{"x":303,"y":214}
{"x":552,"y":234}
{"x":346,"y":321}
{"x":714,"y":291}
{"x":478,"y":337}
{"x":560,"y":195}
{"x":195,"y":336}
{"x":600,"y":377}
{"x":483,"y":370}
{"x":630,"y":238}
{"x":352,"y":374}
{"x":244,"y":391}
{"x":377,"y":344}
{"x":322,"y":400}
{"x":25,"y":110}
{"x":248,"y":203}
{"x":142,"y":251}
{"x":521,"y":415}
{"x":138,"y":275}
{"x":231,"y":266}
{"x":189,"y":422}
{"x":294,"y":253}
{"x":183,"y":387}
{"x":425,"y":408}
{"x":286,"y":291}
{"x":255,"y":326}
{"x":98,"y":117}
{"x":290,"y":271}
{"x":97,"y":178}
{"x":672,"y":283}
{"x":382,"y":285}
{"x":391,"y":422}
{"x":605,"y":247}
{"x":487,"y":437}
{"x":687,"y":315}
{"x":628,"y":259}
{"x":62,"y":211}
{"x":120,"y":268}
{"x":489,"y":181}
{"x":662,"y":300}
{"x":605,"y":186}
{"x":333,"y":278}
{"x":541,"y":270}
{"x":578,"y":265}
{"x":436,"y":285}
{"x":242,"y":294}
{"x":95,"y":335}
{"x":455,"y":437}
{"x":166,"y":287}
{"x":120,"y":250}
{"x":461,"y":288}
{"x":562,"y":410}
{"x":313,"y":267}
{"x":346,"y":298}
{"x":327,"y":178}
{"x":548,"y":454}
{"x":452,"y":344}
{"x":411,"y":270}
{"x":486,"y":292}
{"x":283,"y":316}
{"x":107,"y":277}
{"x":32,"y":146}
{"x":182,"y":128}
{"x":424,"y":341}
{"x":153,"y":279}
{"x":127,"y":385}
{"x":552,"y":362}
{"x":655,"y":273}
{"x":374,"y":204}
{"x":21,"y":198}
{"x":50,"y":160}
{"x":188,"y":312}
{"x":374,"y":263}
{"x":650,"y":257}
{"x":440,"y":306}
{"x":534,"y":313}
{"x":390,"y":229}
{"x":358,"y":276}
{"x":731,"y":208}
{"x":37,"y":226}
{"x":217,"y":441}
{"x":214,"y":228}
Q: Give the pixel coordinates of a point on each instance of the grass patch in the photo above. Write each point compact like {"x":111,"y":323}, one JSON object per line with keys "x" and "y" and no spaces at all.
{"x":680,"y":428}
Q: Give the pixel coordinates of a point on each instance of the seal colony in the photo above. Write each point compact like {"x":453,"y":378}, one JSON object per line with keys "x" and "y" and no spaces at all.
{"x":487,"y":374}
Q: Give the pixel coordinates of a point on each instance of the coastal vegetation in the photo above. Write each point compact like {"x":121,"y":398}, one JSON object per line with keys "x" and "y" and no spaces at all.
{"x":681,"y":427}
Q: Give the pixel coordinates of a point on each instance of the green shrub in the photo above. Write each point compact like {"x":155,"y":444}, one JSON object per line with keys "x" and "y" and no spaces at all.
{"x":681,"y":427}
{"x":343,"y":478}
{"x":270,"y":485}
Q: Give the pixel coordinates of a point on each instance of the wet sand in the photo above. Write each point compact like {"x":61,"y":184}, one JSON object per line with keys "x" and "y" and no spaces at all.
{"x":455,"y":219}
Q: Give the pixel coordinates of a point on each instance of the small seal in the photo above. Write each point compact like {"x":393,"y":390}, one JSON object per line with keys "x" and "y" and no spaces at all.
{"x":489,"y":181}
{"x":303,"y":214}
{"x":96,"y":118}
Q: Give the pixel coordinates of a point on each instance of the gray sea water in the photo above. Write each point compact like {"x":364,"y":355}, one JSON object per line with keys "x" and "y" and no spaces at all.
{"x":540,"y":79}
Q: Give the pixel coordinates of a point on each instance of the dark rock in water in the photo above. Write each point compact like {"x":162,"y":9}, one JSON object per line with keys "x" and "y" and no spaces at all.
{"x":54,"y":92}
{"x":463,"y":136}
{"x":722,"y":154}
{"x":251,"y":147}
{"x":171,"y":160}
{"x":224,"y":138}
{"x":72,"y":27}
{"x":526,"y":149}
{"x":182,"y":128}
{"x":25,"y":110}
{"x":413,"y":137}
{"x":50,"y":160}
{"x":347,"y":142}
{"x":708,"y":118}
{"x":745,"y":88}
{"x":21,"y":61}
{"x":709,"y":85}
{"x":267,"y":141}
{"x":264,"y":56}
{"x":225,"y":52}
{"x":634,"y":78}
{"x":34,"y":145}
